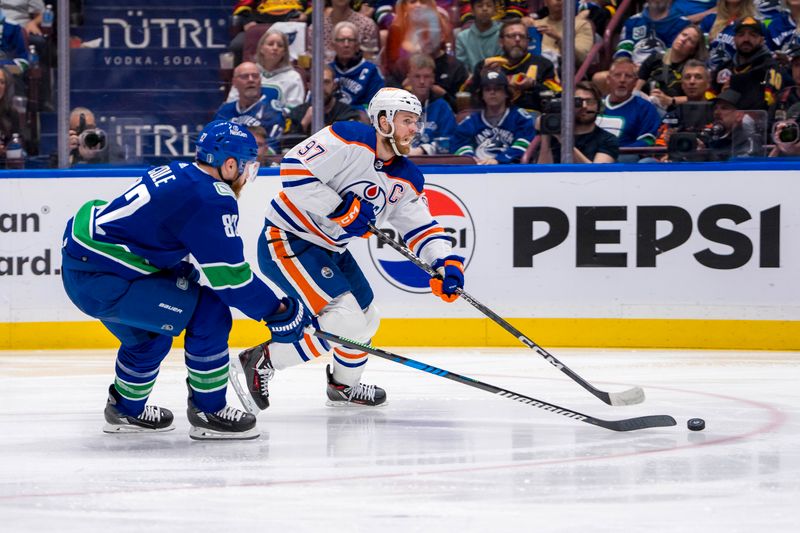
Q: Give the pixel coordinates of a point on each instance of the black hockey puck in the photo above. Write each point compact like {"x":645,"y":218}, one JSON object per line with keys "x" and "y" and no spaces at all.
{"x":696,"y":424}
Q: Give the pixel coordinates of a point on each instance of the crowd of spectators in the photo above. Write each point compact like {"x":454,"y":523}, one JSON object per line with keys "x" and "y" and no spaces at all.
{"x":666,"y":76}
{"x":699,"y":73}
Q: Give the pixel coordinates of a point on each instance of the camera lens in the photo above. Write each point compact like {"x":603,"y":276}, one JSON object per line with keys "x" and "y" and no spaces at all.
{"x":790,"y":133}
{"x":92,"y":140}
{"x":684,"y":145}
{"x":551,"y":123}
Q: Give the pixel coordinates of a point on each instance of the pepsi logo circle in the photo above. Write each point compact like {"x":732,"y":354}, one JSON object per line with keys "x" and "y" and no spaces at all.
{"x":453,"y":215}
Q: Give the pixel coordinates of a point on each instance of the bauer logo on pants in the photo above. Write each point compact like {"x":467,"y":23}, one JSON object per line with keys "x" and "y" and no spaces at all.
{"x":452,"y":214}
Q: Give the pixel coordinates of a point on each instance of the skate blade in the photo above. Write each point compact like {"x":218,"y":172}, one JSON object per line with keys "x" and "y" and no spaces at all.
{"x":238,"y":380}
{"x":129,"y":428}
{"x":197,"y":433}
{"x":353,"y":405}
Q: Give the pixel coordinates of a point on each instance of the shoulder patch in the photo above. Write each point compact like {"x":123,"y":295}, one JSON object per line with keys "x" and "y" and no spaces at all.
{"x":403,"y":169}
{"x":352,"y":132}
{"x":223,"y":189}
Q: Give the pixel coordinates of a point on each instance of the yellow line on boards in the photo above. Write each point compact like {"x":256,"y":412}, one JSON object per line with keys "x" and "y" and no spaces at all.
{"x":477,"y":332}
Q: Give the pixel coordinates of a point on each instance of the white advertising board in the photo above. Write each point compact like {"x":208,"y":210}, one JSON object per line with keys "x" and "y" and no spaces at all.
{"x":711,"y":244}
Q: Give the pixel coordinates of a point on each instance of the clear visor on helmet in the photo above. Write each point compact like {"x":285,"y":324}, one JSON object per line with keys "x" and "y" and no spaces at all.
{"x":409,"y":121}
{"x":249,"y":169}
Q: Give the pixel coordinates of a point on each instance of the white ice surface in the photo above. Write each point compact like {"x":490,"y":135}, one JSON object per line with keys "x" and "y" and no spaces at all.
{"x":440,"y":457}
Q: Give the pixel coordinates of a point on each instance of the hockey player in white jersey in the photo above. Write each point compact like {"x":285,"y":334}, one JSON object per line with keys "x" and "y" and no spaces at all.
{"x":335,"y":183}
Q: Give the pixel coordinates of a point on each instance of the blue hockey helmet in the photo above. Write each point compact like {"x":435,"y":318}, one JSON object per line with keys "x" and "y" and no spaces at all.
{"x":221,"y":140}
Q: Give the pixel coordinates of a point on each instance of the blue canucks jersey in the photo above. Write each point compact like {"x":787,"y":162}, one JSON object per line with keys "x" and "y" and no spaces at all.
{"x":266,"y":112}
{"x":642,"y":35}
{"x":358,"y":83}
{"x":506,"y":141}
{"x":779,"y":26}
{"x":687,"y":8}
{"x":635,"y":121}
{"x":170,"y":212}
{"x":437,"y":120}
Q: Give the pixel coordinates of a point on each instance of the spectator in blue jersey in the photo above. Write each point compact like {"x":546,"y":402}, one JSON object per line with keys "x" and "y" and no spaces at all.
{"x":779,"y":22}
{"x":498,"y":134}
{"x":719,"y":28}
{"x":694,"y":10}
{"x":299,"y":120}
{"x":482,"y":38}
{"x":124,"y":263}
{"x":358,"y":78}
{"x":13,"y":52}
{"x":752,"y":72}
{"x":592,"y":143}
{"x":438,"y":123}
{"x":254,"y":107}
{"x":652,"y":29}
{"x":633,"y":119}
{"x":28,"y":15}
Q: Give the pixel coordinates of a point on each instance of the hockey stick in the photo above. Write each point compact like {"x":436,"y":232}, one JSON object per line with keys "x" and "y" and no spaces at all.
{"x":628,"y":397}
{"x":628,"y":424}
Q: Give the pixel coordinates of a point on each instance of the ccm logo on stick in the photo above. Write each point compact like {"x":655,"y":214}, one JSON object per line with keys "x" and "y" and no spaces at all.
{"x":716,"y":223}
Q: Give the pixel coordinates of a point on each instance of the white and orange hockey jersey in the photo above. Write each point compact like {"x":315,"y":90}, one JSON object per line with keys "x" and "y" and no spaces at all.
{"x":318,"y":172}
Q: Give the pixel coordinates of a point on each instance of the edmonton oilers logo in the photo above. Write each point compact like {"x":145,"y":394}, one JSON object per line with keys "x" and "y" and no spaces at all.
{"x":452,"y":215}
{"x":367,"y":190}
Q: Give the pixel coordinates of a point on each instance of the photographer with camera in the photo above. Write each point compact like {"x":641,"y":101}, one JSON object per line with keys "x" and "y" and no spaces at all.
{"x":592,"y":143}
{"x":89,"y":144}
{"x":786,"y":134}
{"x":718,"y":131}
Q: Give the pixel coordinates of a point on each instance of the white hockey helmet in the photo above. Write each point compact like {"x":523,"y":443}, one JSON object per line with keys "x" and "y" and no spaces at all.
{"x":390,"y":101}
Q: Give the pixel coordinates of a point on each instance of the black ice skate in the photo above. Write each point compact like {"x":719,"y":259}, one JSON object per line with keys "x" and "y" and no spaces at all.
{"x":228,"y":423}
{"x":152,"y":420}
{"x":344,"y":395}
{"x":250,"y":375}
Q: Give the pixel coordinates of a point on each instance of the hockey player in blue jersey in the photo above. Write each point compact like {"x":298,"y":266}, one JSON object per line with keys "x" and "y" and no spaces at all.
{"x":123,"y":262}
{"x":334,"y":184}
{"x":499,"y":133}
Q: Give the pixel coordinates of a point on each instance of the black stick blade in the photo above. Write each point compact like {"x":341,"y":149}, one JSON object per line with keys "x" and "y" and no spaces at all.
{"x":633,"y":424}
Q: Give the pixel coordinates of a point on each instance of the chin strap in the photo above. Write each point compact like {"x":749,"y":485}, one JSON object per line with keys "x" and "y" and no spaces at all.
{"x":394,"y":146}
{"x":392,"y":142}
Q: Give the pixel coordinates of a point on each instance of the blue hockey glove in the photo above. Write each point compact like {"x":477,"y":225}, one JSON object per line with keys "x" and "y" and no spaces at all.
{"x":287,"y":327}
{"x":186,"y":270}
{"x":451,"y":270}
{"x":354,"y":215}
